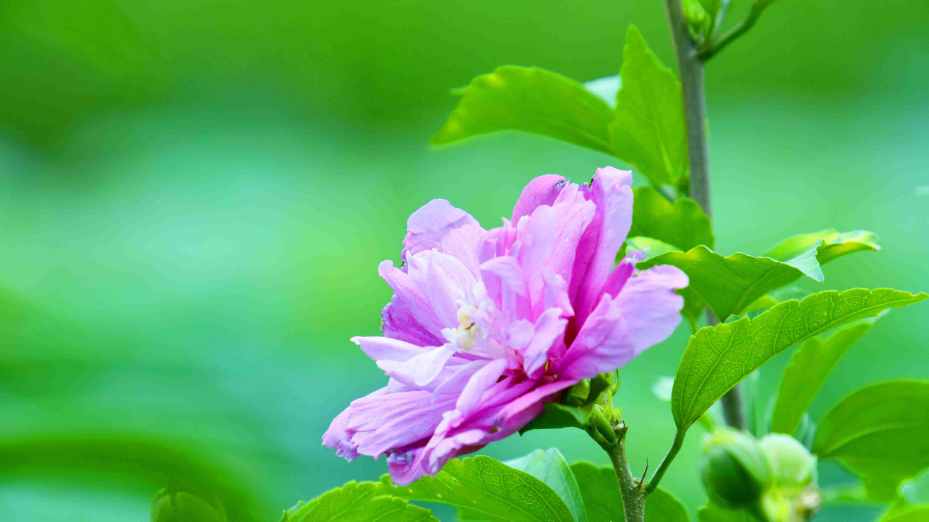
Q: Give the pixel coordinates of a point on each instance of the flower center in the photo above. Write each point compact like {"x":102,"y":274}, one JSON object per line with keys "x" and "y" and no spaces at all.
{"x":467,"y":331}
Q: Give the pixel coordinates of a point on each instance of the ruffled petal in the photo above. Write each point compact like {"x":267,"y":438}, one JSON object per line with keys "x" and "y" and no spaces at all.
{"x":430,"y":223}
{"x":542,"y":190}
{"x":650,"y":306}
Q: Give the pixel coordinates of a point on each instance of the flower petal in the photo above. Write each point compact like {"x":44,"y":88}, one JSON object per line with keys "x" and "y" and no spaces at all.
{"x":430,"y":223}
{"x":540,"y":191}
{"x":650,"y":306}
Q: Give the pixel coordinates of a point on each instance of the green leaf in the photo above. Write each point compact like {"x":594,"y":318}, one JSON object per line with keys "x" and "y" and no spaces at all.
{"x":809,"y":367}
{"x":682,"y":223}
{"x":551,"y":468}
{"x":484,"y":489}
{"x":655,"y":247}
{"x":532,"y":100}
{"x":836,"y":244}
{"x":356,"y":502}
{"x":648,"y":130}
{"x":718,"y":357}
{"x":714,"y":513}
{"x":731,"y":285}
{"x":879,"y":432}
{"x":916,"y":514}
{"x":602,"y":498}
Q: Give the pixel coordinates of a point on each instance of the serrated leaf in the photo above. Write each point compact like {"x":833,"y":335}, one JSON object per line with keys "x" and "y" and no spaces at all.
{"x":603,"y":501}
{"x":809,"y":367}
{"x":355,"y":501}
{"x":714,"y":513}
{"x":551,"y":468}
{"x":718,"y":357}
{"x":682,"y":223}
{"x":483,"y":489}
{"x":879,"y":432}
{"x":730,"y":285}
{"x":532,"y":100}
{"x":648,"y":130}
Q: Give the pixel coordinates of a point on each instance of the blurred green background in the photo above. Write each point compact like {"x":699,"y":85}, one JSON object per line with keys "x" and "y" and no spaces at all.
{"x":194,"y":197}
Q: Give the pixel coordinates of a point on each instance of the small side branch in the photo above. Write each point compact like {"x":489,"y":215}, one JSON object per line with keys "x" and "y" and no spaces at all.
{"x":736,"y":31}
{"x":666,"y":462}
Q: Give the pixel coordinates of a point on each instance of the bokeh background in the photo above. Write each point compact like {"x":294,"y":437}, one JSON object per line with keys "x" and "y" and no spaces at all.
{"x":194,"y":197}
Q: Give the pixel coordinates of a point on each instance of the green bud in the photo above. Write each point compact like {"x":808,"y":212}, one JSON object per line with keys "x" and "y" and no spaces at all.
{"x":603,"y":426}
{"x":577,"y":394}
{"x":792,"y":465}
{"x":604,"y":382}
{"x":710,"y":6}
{"x":695,"y":14}
{"x":182,"y":503}
{"x":735,"y":472}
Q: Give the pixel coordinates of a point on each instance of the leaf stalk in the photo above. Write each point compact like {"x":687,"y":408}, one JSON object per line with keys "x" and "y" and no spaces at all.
{"x":666,"y":462}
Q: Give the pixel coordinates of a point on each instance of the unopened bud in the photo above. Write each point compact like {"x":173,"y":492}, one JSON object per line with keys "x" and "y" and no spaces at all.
{"x":792,"y":465}
{"x":602,"y":425}
{"x":180,"y":503}
{"x":735,"y":472}
{"x":577,"y":395}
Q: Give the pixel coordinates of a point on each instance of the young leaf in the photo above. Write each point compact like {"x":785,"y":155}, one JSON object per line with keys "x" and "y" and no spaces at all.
{"x":602,"y":498}
{"x":880,"y":432}
{"x":809,"y":367}
{"x":731,"y":284}
{"x":484,"y":489}
{"x":356,"y":502}
{"x":532,"y":100}
{"x":835,"y":244}
{"x":551,"y":468}
{"x":682,"y":223}
{"x":655,"y":247}
{"x":648,"y":130}
{"x":718,"y":357}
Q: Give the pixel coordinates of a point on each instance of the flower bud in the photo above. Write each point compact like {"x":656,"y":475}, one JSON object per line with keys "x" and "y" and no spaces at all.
{"x":792,"y":466}
{"x":577,"y":395}
{"x":602,"y":425}
{"x":181,"y":503}
{"x":734,"y":470}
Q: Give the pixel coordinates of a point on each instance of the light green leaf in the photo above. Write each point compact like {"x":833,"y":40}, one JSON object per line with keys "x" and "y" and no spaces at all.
{"x":714,"y":513}
{"x":718,"y":357}
{"x":808,"y":369}
{"x":880,"y":432}
{"x":648,"y":130}
{"x":602,"y":498}
{"x":605,"y":88}
{"x":915,"y":514}
{"x":551,"y":468}
{"x":835,"y":243}
{"x":483,"y":489}
{"x":356,"y":502}
{"x":654,"y":246}
{"x":682,"y":223}
{"x":732,"y":284}
{"x":532,"y":100}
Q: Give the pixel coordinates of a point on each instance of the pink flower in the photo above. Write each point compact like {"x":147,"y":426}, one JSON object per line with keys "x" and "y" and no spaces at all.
{"x":486,"y":325}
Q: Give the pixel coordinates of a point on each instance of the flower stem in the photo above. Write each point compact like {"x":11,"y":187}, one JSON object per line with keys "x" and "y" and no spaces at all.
{"x":690,"y":67}
{"x":631,"y":489}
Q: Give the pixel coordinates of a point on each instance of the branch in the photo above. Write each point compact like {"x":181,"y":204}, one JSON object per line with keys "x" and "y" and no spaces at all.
{"x":632,"y":490}
{"x":736,"y":31}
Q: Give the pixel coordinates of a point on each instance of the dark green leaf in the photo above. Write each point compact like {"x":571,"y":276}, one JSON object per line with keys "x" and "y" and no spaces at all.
{"x":484,"y":489}
{"x":682,"y":223}
{"x":718,"y":357}
{"x":357,"y":502}
{"x":648,"y":130}
{"x":880,"y":432}
{"x":808,"y":369}
{"x":731,"y":285}
{"x":604,"y":504}
{"x":551,"y":468}
{"x":532,"y":100}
